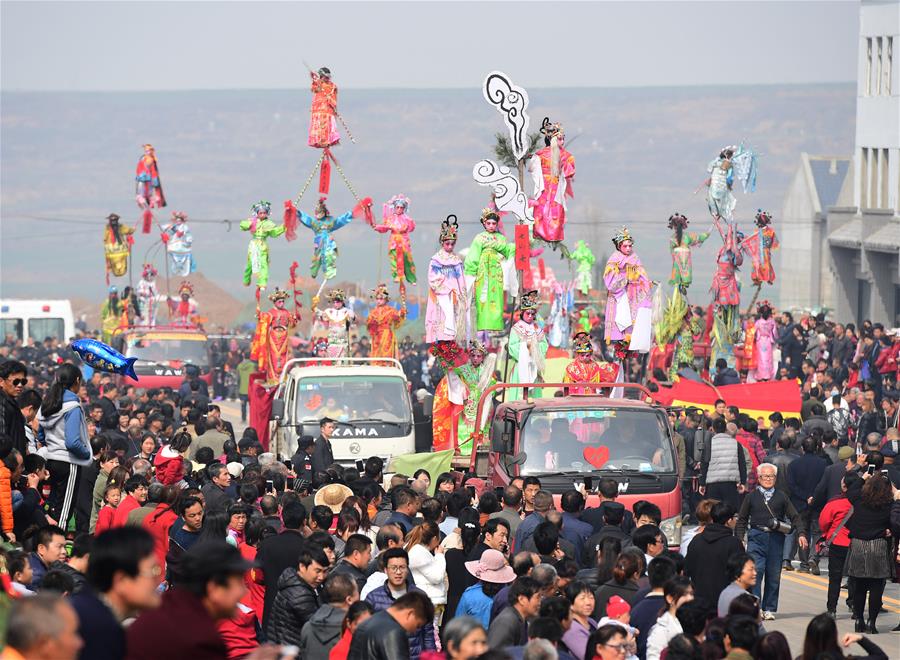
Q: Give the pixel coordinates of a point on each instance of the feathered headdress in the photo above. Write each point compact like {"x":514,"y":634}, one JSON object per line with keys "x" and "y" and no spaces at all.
{"x":261,"y":206}
{"x":336,"y":294}
{"x":530,"y":300}
{"x":381,"y":291}
{"x":621,"y":236}
{"x":763,"y":304}
{"x":449,"y":229}
{"x":321,"y":208}
{"x":489,"y":214}
{"x":399,"y":200}
{"x":279,"y":294}
{"x":678,"y":220}
{"x":763,"y":218}
{"x":581,"y":343}
{"x":476,"y":346}
{"x":179,"y":215}
{"x":149,"y":269}
{"x":186,"y":288}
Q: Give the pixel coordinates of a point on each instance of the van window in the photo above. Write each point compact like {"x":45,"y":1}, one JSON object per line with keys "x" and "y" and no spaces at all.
{"x":40,"y":329}
{"x":348,"y":398}
{"x":11,"y":327}
{"x":555,"y":440}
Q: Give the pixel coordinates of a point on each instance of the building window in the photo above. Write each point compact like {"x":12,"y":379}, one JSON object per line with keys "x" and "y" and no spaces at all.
{"x":864,"y":178}
{"x":885,"y":179}
{"x":873,"y":178}
{"x":868,"y":66}
{"x":888,"y":67}
{"x":878,"y":43}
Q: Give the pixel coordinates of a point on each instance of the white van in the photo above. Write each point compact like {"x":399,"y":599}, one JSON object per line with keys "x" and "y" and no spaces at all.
{"x":37,"y":319}
{"x":369,"y":398}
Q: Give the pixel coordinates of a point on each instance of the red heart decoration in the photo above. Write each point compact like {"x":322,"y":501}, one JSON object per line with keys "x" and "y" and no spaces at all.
{"x":596,"y":456}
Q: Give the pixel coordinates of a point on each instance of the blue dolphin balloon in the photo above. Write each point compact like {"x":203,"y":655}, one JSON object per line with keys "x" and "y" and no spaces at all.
{"x":104,"y":358}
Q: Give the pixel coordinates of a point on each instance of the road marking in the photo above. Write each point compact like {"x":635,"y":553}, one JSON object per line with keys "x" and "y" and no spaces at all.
{"x":824,"y":581}
{"x":821,"y":587}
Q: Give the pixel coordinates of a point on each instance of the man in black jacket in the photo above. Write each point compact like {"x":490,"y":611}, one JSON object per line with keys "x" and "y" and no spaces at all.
{"x":384,"y":636}
{"x":297,"y":598}
{"x":708,"y":555}
{"x":279,"y":552}
{"x":355,"y":562}
{"x":214,"y":492}
{"x":322,"y":456}
{"x":13,"y":376}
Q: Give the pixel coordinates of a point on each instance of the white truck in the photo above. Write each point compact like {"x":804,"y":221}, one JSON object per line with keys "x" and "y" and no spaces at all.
{"x":369,"y":398}
{"x":37,"y":319}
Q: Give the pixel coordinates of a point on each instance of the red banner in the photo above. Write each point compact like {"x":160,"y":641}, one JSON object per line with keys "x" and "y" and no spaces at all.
{"x":260,"y":399}
{"x":754,"y":399}
{"x":523,"y":247}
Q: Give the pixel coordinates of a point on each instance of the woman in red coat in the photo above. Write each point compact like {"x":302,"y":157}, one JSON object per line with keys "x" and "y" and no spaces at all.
{"x":159,"y":523}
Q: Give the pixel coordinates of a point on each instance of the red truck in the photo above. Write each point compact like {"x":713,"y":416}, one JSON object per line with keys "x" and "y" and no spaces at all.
{"x":579,"y":439}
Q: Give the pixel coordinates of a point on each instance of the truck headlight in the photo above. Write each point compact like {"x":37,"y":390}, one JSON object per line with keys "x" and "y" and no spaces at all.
{"x":671,"y":527}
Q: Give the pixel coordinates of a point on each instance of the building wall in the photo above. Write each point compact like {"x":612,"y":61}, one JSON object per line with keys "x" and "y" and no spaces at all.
{"x":795,"y":233}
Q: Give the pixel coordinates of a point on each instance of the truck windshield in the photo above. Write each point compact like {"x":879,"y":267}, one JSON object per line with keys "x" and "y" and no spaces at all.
{"x":596,"y":439}
{"x":349,"y":398}
{"x":165,"y":351}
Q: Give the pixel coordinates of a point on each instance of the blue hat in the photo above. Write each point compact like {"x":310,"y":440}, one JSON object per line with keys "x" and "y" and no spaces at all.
{"x":113,"y":289}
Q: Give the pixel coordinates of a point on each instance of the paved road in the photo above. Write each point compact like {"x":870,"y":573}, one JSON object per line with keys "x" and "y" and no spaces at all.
{"x":802,"y":595}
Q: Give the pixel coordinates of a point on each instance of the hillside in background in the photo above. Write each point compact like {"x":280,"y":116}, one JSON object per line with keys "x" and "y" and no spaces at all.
{"x":67,"y":160}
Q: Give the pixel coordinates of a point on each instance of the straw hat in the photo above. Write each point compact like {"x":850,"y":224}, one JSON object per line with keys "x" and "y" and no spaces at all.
{"x":333,"y":496}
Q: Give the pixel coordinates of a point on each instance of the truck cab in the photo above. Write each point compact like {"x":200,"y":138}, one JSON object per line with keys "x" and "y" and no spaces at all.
{"x":164,"y":353}
{"x":580,"y":439}
{"x":369,"y":398}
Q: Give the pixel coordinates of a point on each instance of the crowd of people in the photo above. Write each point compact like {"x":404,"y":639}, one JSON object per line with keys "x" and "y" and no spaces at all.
{"x":139,"y":524}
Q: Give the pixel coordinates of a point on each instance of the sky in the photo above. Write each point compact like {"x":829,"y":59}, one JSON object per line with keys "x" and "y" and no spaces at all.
{"x":124,"y":46}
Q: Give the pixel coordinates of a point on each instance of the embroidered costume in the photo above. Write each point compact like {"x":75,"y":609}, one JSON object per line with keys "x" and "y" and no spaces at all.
{"x":271,"y":342}
{"x":759,"y":246}
{"x":765,"y":338}
{"x":585,"y":369}
{"x":148,"y":189}
{"x":184,"y":310}
{"x":325,"y":250}
{"x":446,"y":311}
{"x":680,"y":247}
{"x":337,"y":320}
{"x":584,"y":260}
{"x":527,"y":348}
{"x":148,"y":296}
{"x":629,"y":298}
{"x":382,"y":323}
{"x":179,"y":243}
{"x":552,"y":169}
{"x":261,"y":229}
{"x":322,"y":123}
{"x":400,"y":225}
{"x":484,"y":269}
{"x":117,"y":242}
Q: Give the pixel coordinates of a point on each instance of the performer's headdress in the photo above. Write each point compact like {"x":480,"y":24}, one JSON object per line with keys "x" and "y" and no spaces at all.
{"x":763,"y":218}
{"x":489,"y":214}
{"x":113,"y":217}
{"x":530,"y":300}
{"x":581,"y":343}
{"x":449,"y":229}
{"x":149,"y":146}
{"x":763,"y":304}
{"x":180,"y":215}
{"x":399,"y":200}
{"x":319,"y":344}
{"x":621,"y":236}
{"x":337,"y":294}
{"x":113,"y":289}
{"x":325,"y":72}
{"x":551,"y":129}
{"x":476,"y":346}
{"x":727,"y":152}
{"x":320,"y":207}
{"x":279,"y":294}
{"x":186,"y":288}
{"x":149,"y":269}
{"x":678,"y":220}
{"x":381,"y":291}
{"x":261,"y":205}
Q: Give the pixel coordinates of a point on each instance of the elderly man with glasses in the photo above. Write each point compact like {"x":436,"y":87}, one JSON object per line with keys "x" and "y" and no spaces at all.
{"x":764,"y":516}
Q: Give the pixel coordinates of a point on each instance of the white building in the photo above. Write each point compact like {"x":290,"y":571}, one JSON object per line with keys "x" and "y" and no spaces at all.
{"x":840,"y":228}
